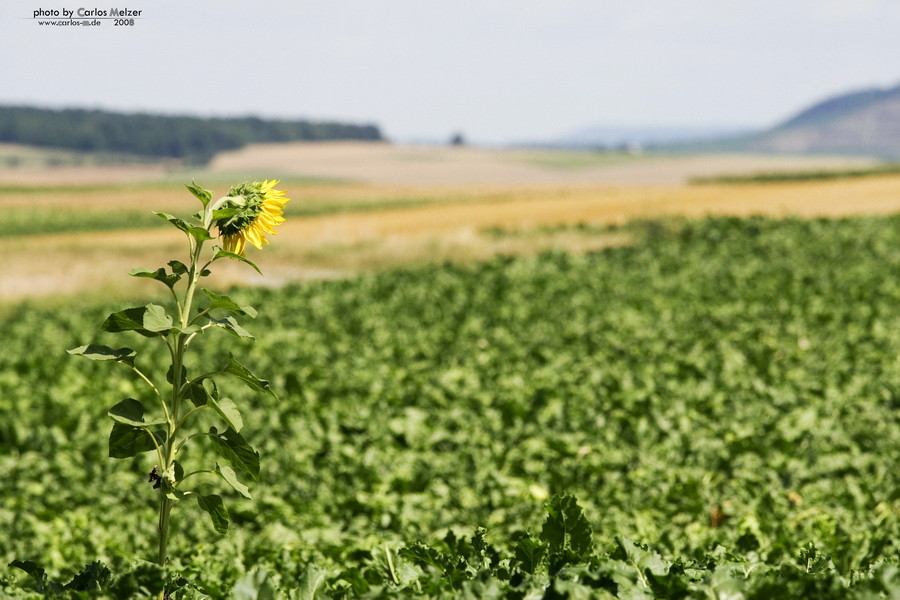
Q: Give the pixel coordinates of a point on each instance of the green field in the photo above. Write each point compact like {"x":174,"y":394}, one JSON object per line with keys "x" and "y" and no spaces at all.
{"x":720,"y":397}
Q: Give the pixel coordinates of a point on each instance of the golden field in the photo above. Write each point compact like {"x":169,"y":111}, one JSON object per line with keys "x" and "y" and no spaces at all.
{"x":358,"y":207}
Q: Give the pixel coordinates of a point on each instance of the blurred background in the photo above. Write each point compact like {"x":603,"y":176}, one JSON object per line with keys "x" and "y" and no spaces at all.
{"x":382,"y":120}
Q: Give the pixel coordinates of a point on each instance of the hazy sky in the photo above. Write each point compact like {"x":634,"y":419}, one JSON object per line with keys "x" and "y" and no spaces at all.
{"x":497,"y":70}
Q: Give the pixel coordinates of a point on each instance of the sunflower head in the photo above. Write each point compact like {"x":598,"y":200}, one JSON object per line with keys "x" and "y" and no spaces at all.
{"x":250,"y":211}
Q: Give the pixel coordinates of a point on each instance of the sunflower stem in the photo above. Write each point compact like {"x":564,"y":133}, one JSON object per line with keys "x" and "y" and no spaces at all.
{"x":177,"y":348}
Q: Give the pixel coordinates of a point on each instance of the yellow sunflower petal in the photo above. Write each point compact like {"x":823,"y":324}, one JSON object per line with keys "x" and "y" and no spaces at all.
{"x":234,"y":243}
{"x":253,"y":235}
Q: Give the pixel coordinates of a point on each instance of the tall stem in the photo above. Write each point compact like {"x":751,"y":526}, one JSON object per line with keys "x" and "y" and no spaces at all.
{"x":173,"y":412}
{"x":193,"y":277}
{"x":165,"y":508}
{"x":165,"y":505}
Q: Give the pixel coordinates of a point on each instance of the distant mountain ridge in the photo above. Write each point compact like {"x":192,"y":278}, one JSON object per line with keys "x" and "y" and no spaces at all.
{"x":865,"y":122}
{"x":862,"y":123}
{"x":835,"y":107}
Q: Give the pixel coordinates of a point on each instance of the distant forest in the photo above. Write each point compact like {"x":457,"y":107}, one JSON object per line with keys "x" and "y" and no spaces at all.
{"x":188,"y":138}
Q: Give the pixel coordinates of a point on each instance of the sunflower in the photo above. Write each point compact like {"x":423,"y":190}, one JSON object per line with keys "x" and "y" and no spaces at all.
{"x":250,"y":211}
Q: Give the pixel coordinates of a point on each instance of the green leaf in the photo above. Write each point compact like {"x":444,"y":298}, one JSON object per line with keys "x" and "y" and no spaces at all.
{"x":211,"y":388}
{"x":175,"y":221}
{"x":97,"y":352}
{"x":202,"y":194}
{"x":198,"y":233}
{"x":156,"y":319}
{"x":220,"y":301}
{"x":131,"y":412}
{"x":311,"y":582}
{"x":31,"y":568}
{"x":228,"y":410}
{"x":256,"y":585}
{"x":176,"y":495}
{"x":232,"y":447}
{"x":241,"y":372}
{"x":230,"y":325}
{"x":178,"y":267}
{"x":159,"y":274}
{"x":128,"y":412}
{"x":668,"y":585}
{"x":216,"y":508}
{"x":201,"y":392}
{"x":201,"y":234}
{"x":566,"y":526}
{"x":529,"y":553}
{"x":178,"y":470}
{"x":126,"y":441}
{"x":143,"y":580}
{"x":224,"y":213}
{"x":577,"y":590}
{"x":130,"y":319}
{"x":42,"y":584}
{"x":220,"y":253}
{"x":424,"y":555}
{"x":640,"y":556}
{"x":228,"y":474}
{"x":190,"y":329}
{"x":170,"y":375}
{"x":814,"y":561}
{"x":93,"y":577}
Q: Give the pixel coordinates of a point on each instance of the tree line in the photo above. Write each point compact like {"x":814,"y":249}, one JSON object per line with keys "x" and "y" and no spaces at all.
{"x":190,"y":138}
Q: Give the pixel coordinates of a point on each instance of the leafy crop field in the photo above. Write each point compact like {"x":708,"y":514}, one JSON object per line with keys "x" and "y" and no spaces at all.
{"x":710,"y":411}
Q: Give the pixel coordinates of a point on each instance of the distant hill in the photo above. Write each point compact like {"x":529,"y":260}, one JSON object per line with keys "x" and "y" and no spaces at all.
{"x":864,"y":122}
{"x":191,"y":138}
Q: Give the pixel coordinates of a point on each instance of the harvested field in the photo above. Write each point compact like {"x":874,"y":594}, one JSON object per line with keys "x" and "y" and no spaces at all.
{"x":387,"y":164}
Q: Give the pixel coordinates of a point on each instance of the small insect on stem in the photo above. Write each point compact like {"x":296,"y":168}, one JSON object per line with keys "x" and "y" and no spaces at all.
{"x":154,"y":477}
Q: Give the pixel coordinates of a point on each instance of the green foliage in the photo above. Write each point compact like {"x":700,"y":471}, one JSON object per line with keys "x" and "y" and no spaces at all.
{"x":566,"y":532}
{"x":710,"y":412}
{"x":222,"y":302}
{"x":216,"y":508}
{"x":94,"y":577}
{"x":99,"y":352}
{"x":126,"y":441}
{"x":232,"y":447}
{"x":96,"y":580}
{"x":202,"y":194}
{"x":256,"y":585}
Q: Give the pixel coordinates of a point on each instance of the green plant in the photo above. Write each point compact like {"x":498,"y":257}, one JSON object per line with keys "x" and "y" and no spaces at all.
{"x":245,"y":214}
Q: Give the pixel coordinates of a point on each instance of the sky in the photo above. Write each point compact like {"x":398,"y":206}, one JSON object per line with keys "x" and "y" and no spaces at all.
{"x":498,"y":71}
